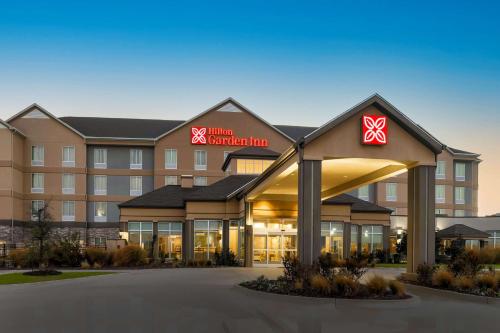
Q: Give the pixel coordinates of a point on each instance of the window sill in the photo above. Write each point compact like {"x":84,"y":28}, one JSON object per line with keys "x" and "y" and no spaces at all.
{"x":68,"y":164}
{"x":37,"y":190}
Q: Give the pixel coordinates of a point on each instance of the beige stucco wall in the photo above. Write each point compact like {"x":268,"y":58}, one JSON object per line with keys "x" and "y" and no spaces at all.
{"x":370,"y":218}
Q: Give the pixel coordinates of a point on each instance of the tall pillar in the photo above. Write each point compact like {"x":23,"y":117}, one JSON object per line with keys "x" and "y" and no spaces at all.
{"x":360,"y":237}
{"x":309,"y":214}
{"x":347,"y":240}
{"x":386,"y":236}
{"x":421,"y":217}
{"x":248,"y":234}
{"x":188,"y":240}
{"x":156,"y":242}
{"x":225,"y":236}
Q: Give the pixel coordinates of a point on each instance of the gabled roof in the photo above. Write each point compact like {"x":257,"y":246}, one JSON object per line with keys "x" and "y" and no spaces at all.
{"x":462,"y":231}
{"x":296,"y":132}
{"x":35,"y":106}
{"x":256,"y":153}
{"x":384,"y":106}
{"x":357,"y":205}
{"x":11,"y":128}
{"x":97,"y":127}
{"x":458,"y":152}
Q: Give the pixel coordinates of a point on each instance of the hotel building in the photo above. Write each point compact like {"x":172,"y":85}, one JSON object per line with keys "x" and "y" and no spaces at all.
{"x":228,"y":180}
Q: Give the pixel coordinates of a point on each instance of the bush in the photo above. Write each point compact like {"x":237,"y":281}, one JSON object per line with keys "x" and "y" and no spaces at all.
{"x":320,"y":284}
{"x":467,"y":263}
{"x":327,"y":264}
{"x":226,"y":258}
{"x":486,"y":281}
{"x":129,"y":256}
{"x":489,"y":256}
{"x":377,"y":285}
{"x":291,"y":268}
{"x":463,"y":283}
{"x":95,"y":255}
{"x":424,"y":274}
{"x":85,"y":265}
{"x":442,"y":279}
{"x":20,"y":258}
{"x":345,"y":286}
{"x":397,"y":288}
{"x":355,"y":267}
{"x":67,"y":251}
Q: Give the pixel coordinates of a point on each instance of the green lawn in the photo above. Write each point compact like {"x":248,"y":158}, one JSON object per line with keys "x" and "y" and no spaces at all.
{"x":15,"y":278}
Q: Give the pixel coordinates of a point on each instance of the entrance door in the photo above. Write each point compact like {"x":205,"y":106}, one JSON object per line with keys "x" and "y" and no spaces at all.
{"x":273,"y":240}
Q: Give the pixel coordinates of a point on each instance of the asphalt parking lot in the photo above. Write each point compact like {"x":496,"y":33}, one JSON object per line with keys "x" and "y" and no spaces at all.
{"x":208,"y":300}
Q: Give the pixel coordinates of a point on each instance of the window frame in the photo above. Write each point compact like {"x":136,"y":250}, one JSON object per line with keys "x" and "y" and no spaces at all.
{"x":457,"y":200}
{"x":38,"y":162}
{"x":39,"y":190}
{"x":170,"y":166}
{"x":392,"y":197}
{"x":68,"y":218}
{"x":103,"y":218}
{"x":200,"y":167}
{"x":35,"y":216}
{"x":195,"y":178}
{"x":135,"y":192}
{"x":68,"y":190}
{"x":68,"y":163}
{"x":441,"y":175}
{"x":101,"y":191}
{"x":440,"y":200}
{"x":101,"y":165}
{"x":367,"y":197}
{"x":135,"y":166}
{"x":171,"y":177}
{"x":460,"y":178}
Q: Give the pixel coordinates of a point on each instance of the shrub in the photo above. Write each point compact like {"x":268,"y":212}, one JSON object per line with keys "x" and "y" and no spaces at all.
{"x":291,"y":268}
{"x":226,"y":258}
{"x":467,"y":263}
{"x":96,"y":255}
{"x":397,"y":288}
{"x":424,"y":274}
{"x":67,"y":251}
{"x":355,"y":267}
{"x":85,"y":265}
{"x":442,"y":278}
{"x":345,"y":285}
{"x":97,"y":265}
{"x":326,"y":265}
{"x":129,"y":256}
{"x":320,"y":284}
{"x":20,"y":258}
{"x":298,"y":284}
{"x":486,"y":281}
{"x":463,"y":283}
{"x":377,"y":285}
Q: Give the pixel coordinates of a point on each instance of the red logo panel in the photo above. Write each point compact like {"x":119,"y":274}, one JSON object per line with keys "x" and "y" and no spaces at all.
{"x":198,"y":135}
{"x":374,"y":130}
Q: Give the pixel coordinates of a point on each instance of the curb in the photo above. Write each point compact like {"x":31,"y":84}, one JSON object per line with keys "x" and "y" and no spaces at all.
{"x":454,"y":295}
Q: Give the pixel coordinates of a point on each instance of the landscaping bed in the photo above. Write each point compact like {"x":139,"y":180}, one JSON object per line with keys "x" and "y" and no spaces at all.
{"x":329,"y":278}
{"x":19,"y":278}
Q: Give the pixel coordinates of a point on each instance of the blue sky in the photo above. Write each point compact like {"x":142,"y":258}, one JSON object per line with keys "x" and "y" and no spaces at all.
{"x":292,"y":62}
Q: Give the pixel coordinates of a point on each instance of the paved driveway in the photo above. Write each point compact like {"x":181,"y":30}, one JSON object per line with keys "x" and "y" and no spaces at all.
{"x":206,"y":300}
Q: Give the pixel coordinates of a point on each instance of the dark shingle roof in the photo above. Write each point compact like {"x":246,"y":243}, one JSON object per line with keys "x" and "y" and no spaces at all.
{"x":121,"y":127}
{"x":459,"y":151}
{"x":295,"y":132}
{"x":220,"y":190}
{"x":357,"y":205}
{"x":463,"y":231}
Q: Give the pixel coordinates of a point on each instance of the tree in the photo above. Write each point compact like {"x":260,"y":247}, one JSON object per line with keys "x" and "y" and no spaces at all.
{"x":40,"y":236}
{"x":402,"y":246}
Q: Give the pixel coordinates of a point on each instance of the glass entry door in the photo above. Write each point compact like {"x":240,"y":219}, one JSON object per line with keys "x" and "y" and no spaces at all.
{"x":273,"y":240}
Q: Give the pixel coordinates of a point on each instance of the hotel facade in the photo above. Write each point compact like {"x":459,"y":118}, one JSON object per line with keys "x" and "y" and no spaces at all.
{"x":228,"y":180}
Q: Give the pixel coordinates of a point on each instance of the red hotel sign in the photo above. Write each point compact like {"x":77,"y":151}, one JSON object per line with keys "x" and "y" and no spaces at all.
{"x":223,"y":137}
{"x":374,"y":130}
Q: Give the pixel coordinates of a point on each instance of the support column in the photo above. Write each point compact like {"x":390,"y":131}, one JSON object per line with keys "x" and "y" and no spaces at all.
{"x":156,"y":242}
{"x":309,"y":214}
{"x":421,"y":217}
{"x":386,"y":230}
{"x":225,"y":236}
{"x":248,"y":234}
{"x":347,"y":240}
{"x":188,"y":240}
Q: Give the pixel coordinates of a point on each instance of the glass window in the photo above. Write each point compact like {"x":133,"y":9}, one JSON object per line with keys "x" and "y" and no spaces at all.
{"x":68,"y":211}
{"x":372,"y":238}
{"x":440,"y":194}
{"x":364,"y":193}
{"x":274,"y":239}
{"x":37,"y":155}
{"x":440,"y":211}
{"x":170,"y":239}
{"x":391,"y":192}
{"x":100,"y":185}
{"x":36,"y":205}
{"x":200,"y":181}
{"x":200,"y":160}
{"x":99,"y":241}
{"x":135,"y":158}
{"x":332,"y":238}
{"x":170,"y":180}
{"x":460,"y":195}
{"x":354,"y":239}
{"x":207,"y":239}
{"x":237,"y":238}
{"x":68,"y":158}
{"x":472,"y":244}
{"x":252,"y":167}
{"x":68,"y":183}
{"x":141,"y":233}
{"x":135,"y":185}
{"x":37,"y":183}
{"x":440,"y":170}
{"x":459,"y":171}
{"x":494,"y":239}
{"x":459,"y":212}
{"x":170,"y":158}
{"x":100,"y":211}
{"x":100,"y":158}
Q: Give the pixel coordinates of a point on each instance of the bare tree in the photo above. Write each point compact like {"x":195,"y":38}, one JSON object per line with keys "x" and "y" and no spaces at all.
{"x":40,"y":235}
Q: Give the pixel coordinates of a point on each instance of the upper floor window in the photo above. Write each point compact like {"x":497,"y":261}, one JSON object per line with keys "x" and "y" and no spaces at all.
{"x":135,"y":185}
{"x":252,"y":167}
{"x":36,"y":207}
{"x":170,"y":180}
{"x":100,"y":185}
{"x":68,"y":158}
{"x":459,"y":213}
{"x":68,"y":211}
{"x":100,"y":211}
{"x":100,"y":158}
{"x":441,"y":170}
{"x":391,"y":191}
{"x":364,"y":193}
{"x":440,"y":194}
{"x":135,"y":158}
{"x":200,"y":160}
{"x":37,"y":183}
{"x":460,"y":171}
{"x":170,"y":158}
{"x":200,"y":181}
{"x":68,"y":183}
{"x":440,"y":211}
{"x":460,"y":195}
{"x":37,"y":155}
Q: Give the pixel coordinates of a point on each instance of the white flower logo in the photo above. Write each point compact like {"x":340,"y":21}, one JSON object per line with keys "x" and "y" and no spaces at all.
{"x":198,"y":135}
{"x":374,"y":132}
